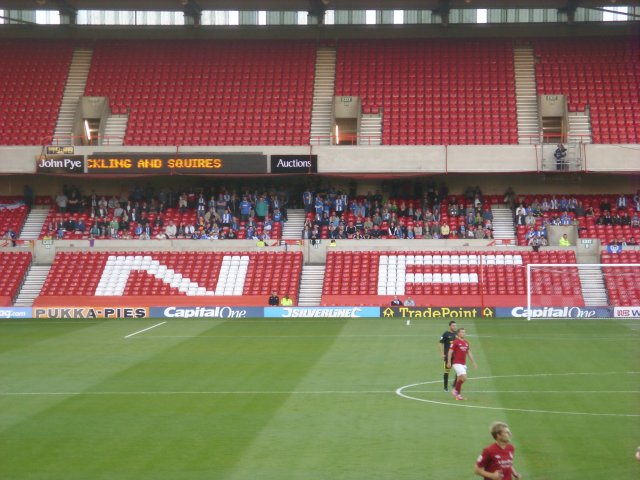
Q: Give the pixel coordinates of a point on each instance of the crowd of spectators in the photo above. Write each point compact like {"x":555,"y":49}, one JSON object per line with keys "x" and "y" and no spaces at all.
{"x":540,"y":213}
{"x":202,"y":213}
{"x":335,"y":214}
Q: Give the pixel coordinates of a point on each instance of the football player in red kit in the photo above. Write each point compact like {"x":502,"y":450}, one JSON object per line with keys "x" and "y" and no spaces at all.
{"x":496,"y":461}
{"x":458,"y":358}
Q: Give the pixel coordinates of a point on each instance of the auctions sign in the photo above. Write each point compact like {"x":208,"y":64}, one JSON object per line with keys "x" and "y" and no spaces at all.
{"x":181,"y":163}
{"x":294,"y":163}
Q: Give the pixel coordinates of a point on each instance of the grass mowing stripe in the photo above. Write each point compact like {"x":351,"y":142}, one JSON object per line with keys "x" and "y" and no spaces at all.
{"x":173,"y":436}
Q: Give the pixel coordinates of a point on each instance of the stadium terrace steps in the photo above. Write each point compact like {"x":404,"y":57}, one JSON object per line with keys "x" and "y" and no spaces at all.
{"x":115,"y":129}
{"x":579,"y":130}
{"x":593,"y":288}
{"x":526,"y":97}
{"x":73,"y":90}
{"x":33,"y":282}
{"x":34,"y":223}
{"x":370,"y":129}
{"x":311,"y":285}
{"x":294,"y":225}
{"x":503,"y":227}
{"x":323,"y":91}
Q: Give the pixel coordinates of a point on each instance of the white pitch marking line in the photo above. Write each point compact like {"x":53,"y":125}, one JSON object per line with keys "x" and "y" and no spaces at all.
{"x":400,"y":392}
{"x":145,"y":329}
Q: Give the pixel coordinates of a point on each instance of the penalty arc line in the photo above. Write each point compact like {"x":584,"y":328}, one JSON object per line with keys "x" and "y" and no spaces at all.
{"x":145,"y":329}
{"x":400,"y":392}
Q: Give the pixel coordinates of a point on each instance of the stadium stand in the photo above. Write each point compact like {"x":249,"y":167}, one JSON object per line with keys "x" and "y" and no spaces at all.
{"x":12,"y":215}
{"x":161,"y":278}
{"x":434,"y":92}
{"x":598,"y":217}
{"x":33,"y":75}
{"x":13,"y":267}
{"x":622,"y":283}
{"x":446,"y":278}
{"x":599,"y":73}
{"x":208,"y":93}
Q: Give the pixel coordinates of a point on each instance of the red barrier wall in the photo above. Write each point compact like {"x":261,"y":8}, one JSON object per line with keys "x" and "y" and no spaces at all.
{"x":456,"y":300}
{"x":5,"y":301}
{"x":153,"y":301}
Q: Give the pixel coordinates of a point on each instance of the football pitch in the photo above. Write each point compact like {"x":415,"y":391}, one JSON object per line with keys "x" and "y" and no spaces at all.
{"x":313,"y":399}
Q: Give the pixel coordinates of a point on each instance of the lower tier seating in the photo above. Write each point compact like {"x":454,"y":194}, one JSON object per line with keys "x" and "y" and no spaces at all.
{"x":449,"y":278}
{"x":622,"y":283}
{"x":12,"y":218}
{"x":157,"y":275}
{"x":13,"y":267}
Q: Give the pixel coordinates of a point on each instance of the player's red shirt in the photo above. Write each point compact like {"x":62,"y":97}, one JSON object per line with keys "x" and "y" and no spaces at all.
{"x":496,"y":459}
{"x":460,"y":349}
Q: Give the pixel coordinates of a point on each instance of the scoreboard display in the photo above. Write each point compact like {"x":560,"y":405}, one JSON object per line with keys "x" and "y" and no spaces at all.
{"x":182,"y":163}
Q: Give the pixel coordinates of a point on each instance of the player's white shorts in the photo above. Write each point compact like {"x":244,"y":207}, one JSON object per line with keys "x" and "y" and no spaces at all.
{"x":460,"y":369}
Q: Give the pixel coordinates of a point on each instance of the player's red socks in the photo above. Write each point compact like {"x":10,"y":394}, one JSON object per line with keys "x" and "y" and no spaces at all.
{"x":458,"y":385}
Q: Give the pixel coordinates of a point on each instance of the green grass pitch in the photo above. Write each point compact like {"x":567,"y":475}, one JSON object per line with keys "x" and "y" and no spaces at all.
{"x":313,"y":399}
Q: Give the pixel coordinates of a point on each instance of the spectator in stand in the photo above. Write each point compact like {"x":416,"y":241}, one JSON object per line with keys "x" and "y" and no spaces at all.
{"x":621,"y":202}
{"x":170,"y":230}
{"x":396,"y":302}
{"x":554,"y":205}
{"x":274,"y":300}
{"x":81,"y":225}
{"x":62,"y":201}
{"x":521,"y":214}
{"x":564,"y":241}
{"x":635,"y":220}
{"x":445,"y":230}
{"x":560,"y":155}
{"x":632,"y":242}
{"x":95,"y":230}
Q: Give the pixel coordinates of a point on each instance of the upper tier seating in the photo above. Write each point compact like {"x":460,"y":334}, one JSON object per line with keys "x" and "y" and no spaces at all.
{"x":600,"y":73}
{"x":158,"y":274}
{"x":622,"y":283}
{"x":433,"y":92}
{"x":33,"y":75}
{"x":13,"y":266}
{"x":446,"y":273}
{"x":208,"y":93}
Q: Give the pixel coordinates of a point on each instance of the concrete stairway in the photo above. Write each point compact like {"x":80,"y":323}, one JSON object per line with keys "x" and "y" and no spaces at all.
{"x":323,"y":89}
{"x":293,"y":226}
{"x":32,"y":285}
{"x":503,"y":227}
{"x":579,"y":130}
{"x":33,"y":224}
{"x":370,"y":129}
{"x":526,"y":96}
{"x":115,"y":130}
{"x":592,"y":283}
{"x":311,"y":284}
{"x":73,"y":90}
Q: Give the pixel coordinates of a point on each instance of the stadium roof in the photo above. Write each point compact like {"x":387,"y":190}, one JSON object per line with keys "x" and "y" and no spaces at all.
{"x":298,"y":5}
